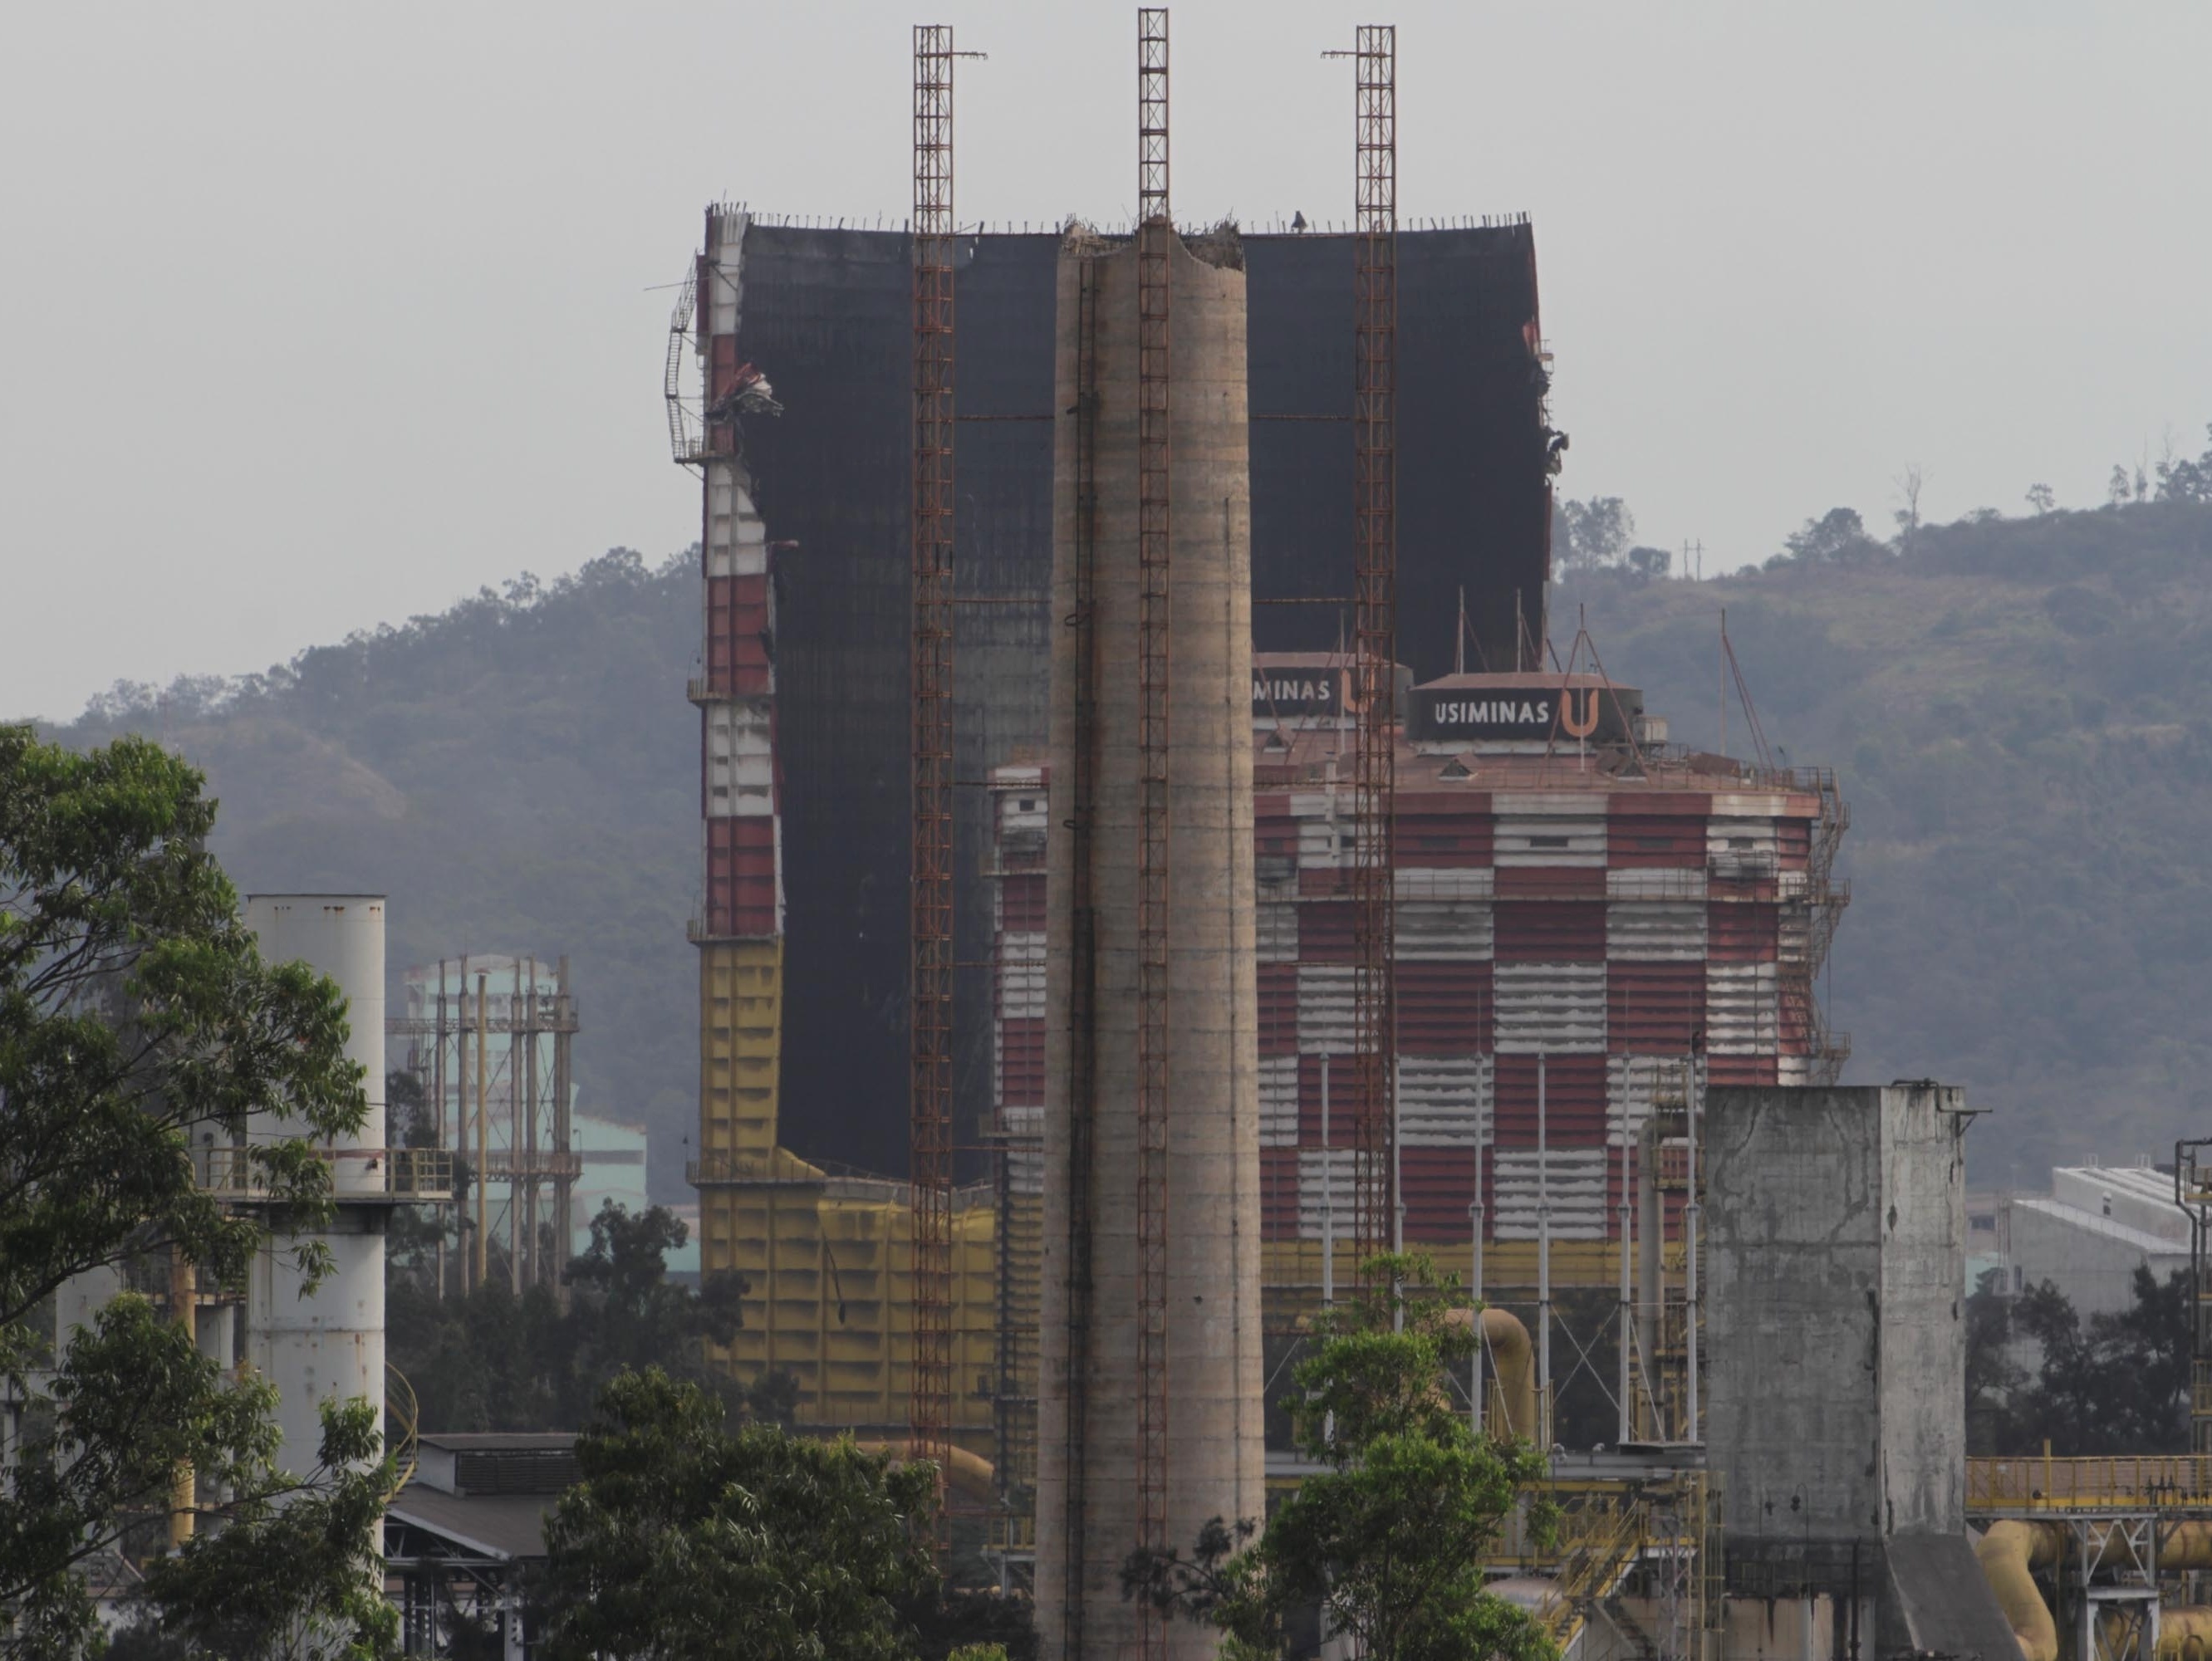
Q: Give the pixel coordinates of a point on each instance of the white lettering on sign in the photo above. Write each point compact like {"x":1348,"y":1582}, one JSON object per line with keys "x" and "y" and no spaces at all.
{"x":1493,"y":712}
{"x":1292,"y":692}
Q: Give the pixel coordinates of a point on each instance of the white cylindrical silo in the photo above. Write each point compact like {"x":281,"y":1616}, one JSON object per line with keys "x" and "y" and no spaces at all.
{"x":327,"y":1344}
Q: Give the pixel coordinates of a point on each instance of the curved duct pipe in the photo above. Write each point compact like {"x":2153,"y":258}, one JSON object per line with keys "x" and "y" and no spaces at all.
{"x":2009,"y":1553}
{"x":1513,"y":1358}
{"x":971,"y":1473}
{"x":1506,"y":1343}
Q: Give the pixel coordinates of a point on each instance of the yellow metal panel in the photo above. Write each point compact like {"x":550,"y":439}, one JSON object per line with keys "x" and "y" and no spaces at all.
{"x":740,"y":1046}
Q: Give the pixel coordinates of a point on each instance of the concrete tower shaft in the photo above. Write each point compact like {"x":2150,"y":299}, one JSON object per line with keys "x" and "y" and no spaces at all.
{"x":327,"y":1345}
{"x":1088,"y":1494}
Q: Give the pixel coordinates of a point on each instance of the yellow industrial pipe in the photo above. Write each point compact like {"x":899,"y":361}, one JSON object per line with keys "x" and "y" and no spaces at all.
{"x":2185,"y":1634}
{"x":1513,"y":1358}
{"x":2012,"y":1550}
{"x":971,"y":1473}
{"x":2185,"y":1546}
{"x":2009,"y":1553}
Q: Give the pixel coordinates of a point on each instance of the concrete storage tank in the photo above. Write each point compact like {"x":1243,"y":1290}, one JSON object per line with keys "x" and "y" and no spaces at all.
{"x":1088,"y":1504}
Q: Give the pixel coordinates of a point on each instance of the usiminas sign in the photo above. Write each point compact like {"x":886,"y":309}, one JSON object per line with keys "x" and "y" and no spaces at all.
{"x":1536,"y":710}
{"x":1296,"y":692}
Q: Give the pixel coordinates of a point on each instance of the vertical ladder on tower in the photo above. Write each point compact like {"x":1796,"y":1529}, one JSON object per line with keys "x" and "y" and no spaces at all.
{"x":1377,"y":1205}
{"x":1155,"y":246}
{"x":931,"y":1080}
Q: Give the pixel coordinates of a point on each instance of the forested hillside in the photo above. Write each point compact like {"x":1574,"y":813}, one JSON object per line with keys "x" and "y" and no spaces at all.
{"x":2018,"y":709}
{"x":519,"y":773}
{"x":2021,"y":714}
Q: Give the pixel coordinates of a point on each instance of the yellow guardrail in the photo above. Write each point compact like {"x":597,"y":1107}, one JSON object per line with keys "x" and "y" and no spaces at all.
{"x":2038,"y":1482}
{"x":402,"y":1419}
{"x":1598,"y":1542}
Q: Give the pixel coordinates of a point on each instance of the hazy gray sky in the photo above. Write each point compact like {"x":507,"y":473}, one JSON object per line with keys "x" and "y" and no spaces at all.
{"x":321,"y":316}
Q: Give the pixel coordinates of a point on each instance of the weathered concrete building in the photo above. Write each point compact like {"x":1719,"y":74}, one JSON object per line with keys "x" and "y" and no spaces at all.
{"x":1836,"y":1339}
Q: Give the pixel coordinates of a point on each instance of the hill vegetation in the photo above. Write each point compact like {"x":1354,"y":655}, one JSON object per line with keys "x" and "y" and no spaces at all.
{"x":519,"y":773}
{"x":2018,"y":710}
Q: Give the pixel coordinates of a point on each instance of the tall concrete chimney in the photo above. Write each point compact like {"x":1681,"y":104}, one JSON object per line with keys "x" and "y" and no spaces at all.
{"x":1091,"y":1384}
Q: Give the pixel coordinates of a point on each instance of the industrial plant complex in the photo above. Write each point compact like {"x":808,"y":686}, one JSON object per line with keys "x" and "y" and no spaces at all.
{"x":1159,"y":851}
{"x":1246,"y":875}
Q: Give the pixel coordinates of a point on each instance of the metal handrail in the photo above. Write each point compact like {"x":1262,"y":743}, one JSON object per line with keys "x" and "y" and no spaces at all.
{"x":2042,"y":1483}
{"x":405,"y":1413}
{"x":415,"y":1174}
{"x":1594,"y":1560}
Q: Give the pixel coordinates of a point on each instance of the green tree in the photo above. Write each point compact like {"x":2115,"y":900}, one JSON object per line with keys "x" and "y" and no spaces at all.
{"x":137,"y":1025}
{"x":1592,"y":534}
{"x":631,"y":1314}
{"x":1387,"y":1538}
{"x":1837,"y":537}
{"x":490,"y":1361}
{"x":2182,"y":480}
{"x":682,"y":1534}
{"x":1993,"y":1377}
{"x":296,"y":1570}
{"x":2113,"y":1383}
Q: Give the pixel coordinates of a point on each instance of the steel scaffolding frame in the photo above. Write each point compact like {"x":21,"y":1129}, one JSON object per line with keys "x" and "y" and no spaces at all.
{"x":1083,"y":993}
{"x":1375,"y":590}
{"x":1155,"y":245}
{"x":2192,"y":1192}
{"x":931,"y":1170}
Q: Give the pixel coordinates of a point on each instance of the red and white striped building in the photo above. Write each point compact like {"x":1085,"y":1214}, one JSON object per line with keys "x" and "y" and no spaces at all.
{"x":1596,"y":912}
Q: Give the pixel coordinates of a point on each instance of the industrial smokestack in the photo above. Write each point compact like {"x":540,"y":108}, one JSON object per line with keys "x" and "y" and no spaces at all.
{"x":1099,"y":1371}
{"x":327,"y":1345}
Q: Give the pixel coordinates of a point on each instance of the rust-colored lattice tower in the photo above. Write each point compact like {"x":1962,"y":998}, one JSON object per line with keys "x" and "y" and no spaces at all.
{"x":1155,"y":246}
{"x":931,"y":1171}
{"x":1375,"y":592}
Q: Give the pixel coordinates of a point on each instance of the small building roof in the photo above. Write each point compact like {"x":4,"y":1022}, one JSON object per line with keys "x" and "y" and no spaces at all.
{"x":505,"y":1527}
{"x":2089,"y":1223}
{"x":497,"y":1441}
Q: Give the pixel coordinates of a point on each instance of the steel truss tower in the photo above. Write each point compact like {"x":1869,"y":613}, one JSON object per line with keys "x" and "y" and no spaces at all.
{"x":1374,"y":591}
{"x":931,"y":1169}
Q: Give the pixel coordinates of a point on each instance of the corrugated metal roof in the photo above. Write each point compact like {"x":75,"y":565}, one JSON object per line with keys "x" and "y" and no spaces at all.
{"x":2144,"y":1181}
{"x":503,"y":1525}
{"x":2089,"y":1223}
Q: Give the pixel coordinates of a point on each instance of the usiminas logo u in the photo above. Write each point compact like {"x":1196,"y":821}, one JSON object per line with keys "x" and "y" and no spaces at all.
{"x":1582,"y":725}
